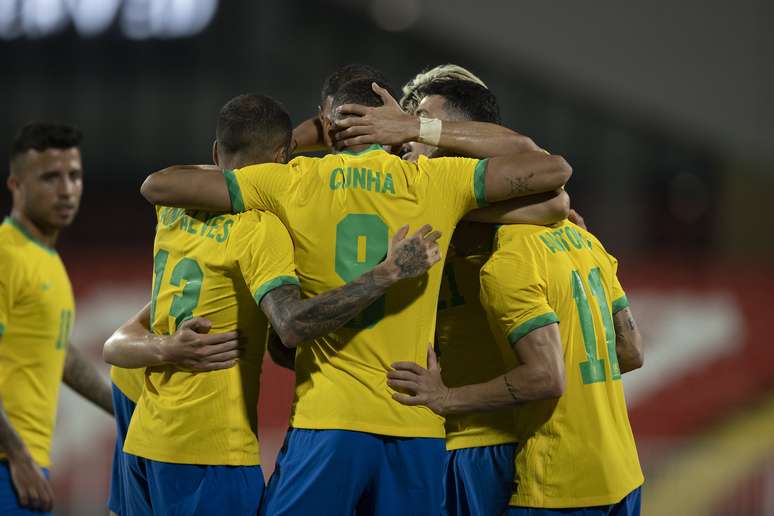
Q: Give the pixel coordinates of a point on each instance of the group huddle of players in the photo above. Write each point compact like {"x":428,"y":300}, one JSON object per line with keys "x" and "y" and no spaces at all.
{"x":484,"y":385}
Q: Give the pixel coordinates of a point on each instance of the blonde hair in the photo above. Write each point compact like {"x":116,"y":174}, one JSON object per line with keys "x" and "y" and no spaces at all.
{"x":447,"y":72}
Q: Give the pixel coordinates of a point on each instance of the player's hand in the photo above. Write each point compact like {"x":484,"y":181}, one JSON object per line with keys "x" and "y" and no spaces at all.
{"x":192,"y":348}
{"x":31,"y":485}
{"x":576,"y":219}
{"x":424,"y":386}
{"x":409,"y":257}
{"x":384,"y":125}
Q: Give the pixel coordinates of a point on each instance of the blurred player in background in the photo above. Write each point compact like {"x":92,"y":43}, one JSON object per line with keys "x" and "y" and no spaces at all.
{"x":567,"y":384}
{"x":221,"y":269}
{"x":351,"y":447}
{"x":37,"y":313}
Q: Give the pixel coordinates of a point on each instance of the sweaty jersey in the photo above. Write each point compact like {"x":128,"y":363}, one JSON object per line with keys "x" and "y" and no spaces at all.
{"x":577,"y":451}
{"x":470,"y":354}
{"x":341,"y":211}
{"x":37,"y":313}
{"x":219,"y":268}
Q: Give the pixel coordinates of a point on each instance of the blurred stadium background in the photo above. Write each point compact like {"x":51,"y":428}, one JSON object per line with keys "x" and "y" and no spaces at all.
{"x":664,"y":110}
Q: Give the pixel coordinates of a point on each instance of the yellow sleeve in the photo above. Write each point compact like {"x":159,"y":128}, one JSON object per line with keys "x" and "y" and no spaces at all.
{"x":10,"y":283}
{"x":616,"y":290}
{"x":259,"y":187}
{"x":264,"y":253}
{"x":514,"y":294}
{"x":461,"y":181}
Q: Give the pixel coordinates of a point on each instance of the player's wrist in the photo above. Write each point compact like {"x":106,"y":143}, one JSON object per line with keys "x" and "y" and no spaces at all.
{"x":386,"y":274}
{"x":18,"y":454}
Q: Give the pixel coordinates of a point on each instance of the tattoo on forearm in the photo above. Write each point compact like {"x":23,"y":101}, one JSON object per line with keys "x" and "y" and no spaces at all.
{"x":521,"y":185}
{"x":322,"y":314}
{"x":511,"y":388}
{"x":630,"y":322}
{"x":410,"y":259}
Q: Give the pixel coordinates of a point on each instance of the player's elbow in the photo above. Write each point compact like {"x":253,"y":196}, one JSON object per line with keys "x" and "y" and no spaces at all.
{"x":109,"y":354}
{"x":517,"y":143}
{"x":554,"y":381}
{"x":153,"y":189}
{"x":558,"y":208}
{"x":287,"y":333}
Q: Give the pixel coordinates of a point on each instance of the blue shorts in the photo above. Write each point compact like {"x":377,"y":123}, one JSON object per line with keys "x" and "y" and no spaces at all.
{"x":341,"y":473}
{"x":123,"y":408}
{"x":629,"y":506}
{"x":478,"y":480}
{"x":165,"y":489}
{"x":9,"y":502}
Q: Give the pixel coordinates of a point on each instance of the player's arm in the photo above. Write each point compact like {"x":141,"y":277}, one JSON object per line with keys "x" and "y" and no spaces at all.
{"x":196,"y":187}
{"x":191,"y":348}
{"x":82,"y":377}
{"x":31,"y":486}
{"x":280,"y":354}
{"x":390,"y":125}
{"x":297,"y":320}
{"x":308,"y":136}
{"x":539,"y":209}
{"x":539,"y":376}
{"x":628,"y":341}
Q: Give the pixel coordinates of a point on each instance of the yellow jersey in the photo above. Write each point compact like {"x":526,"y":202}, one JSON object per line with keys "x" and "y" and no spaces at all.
{"x":128,"y":381}
{"x":578,"y":450}
{"x":341,"y":211}
{"x":37,"y":313}
{"x":219,"y":268}
{"x":470,"y":354}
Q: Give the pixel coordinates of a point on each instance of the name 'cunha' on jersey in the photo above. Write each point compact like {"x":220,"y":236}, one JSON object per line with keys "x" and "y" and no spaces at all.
{"x":363,"y":179}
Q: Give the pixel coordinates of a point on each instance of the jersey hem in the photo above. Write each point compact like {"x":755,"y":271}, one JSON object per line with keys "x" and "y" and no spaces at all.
{"x":566,"y":503}
{"x":533,"y":324}
{"x":242,"y":460}
{"x":395,"y":431}
{"x":234,"y":192}
{"x":461,"y":443}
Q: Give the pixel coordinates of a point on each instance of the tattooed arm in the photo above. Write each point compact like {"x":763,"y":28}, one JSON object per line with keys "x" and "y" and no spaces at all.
{"x":296,"y":320}
{"x":81,"y":376}
{"x":525,"y":174}
{"x":628,"y":341}
{"x":540,"y":375}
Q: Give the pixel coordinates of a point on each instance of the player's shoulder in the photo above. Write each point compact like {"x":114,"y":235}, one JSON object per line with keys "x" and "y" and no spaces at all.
{"x":17,"y":246}
{"x":258,"y":225}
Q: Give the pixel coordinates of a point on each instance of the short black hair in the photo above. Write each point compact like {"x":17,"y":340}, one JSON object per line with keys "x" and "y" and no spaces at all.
{"x":348,"y":73}
{"x":253,"y":122}
{"x":468,"y":99}
{"x":360,"y":92}
{"x":40,"y":136}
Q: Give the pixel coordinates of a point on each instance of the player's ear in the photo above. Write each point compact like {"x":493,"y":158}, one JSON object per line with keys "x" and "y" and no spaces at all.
{"x":215,"y":159}
{"x":281,"y":154}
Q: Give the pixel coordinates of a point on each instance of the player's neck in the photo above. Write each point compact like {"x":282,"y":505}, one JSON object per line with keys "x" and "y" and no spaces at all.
{"x":355,"y":148}
{"x":34,"y":231}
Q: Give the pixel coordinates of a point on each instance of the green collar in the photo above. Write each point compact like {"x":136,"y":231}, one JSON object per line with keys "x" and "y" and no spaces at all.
{"x":368,"y":149}
{"x":23,"y":231}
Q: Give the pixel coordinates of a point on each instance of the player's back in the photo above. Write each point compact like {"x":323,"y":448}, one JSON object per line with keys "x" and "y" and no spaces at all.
{"x":341,"y":211}
{"x":470,"y":354}
{"x":37,"y":313}
{"x":206,"y":417}
{"x":586,"y":432}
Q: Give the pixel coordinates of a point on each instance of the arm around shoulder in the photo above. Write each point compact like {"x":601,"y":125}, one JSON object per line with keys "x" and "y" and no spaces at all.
{"x":524,"y":174}
{"x":199,"y":187}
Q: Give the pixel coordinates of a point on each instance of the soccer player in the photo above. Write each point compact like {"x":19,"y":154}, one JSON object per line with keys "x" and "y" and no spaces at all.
{"x":480,"y":446}
{"x":350,"y":446}
{"x":196,"y":432}
{"x":37,"y":313}
{"x":309,"y":134}
{"x":567,"y":381}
